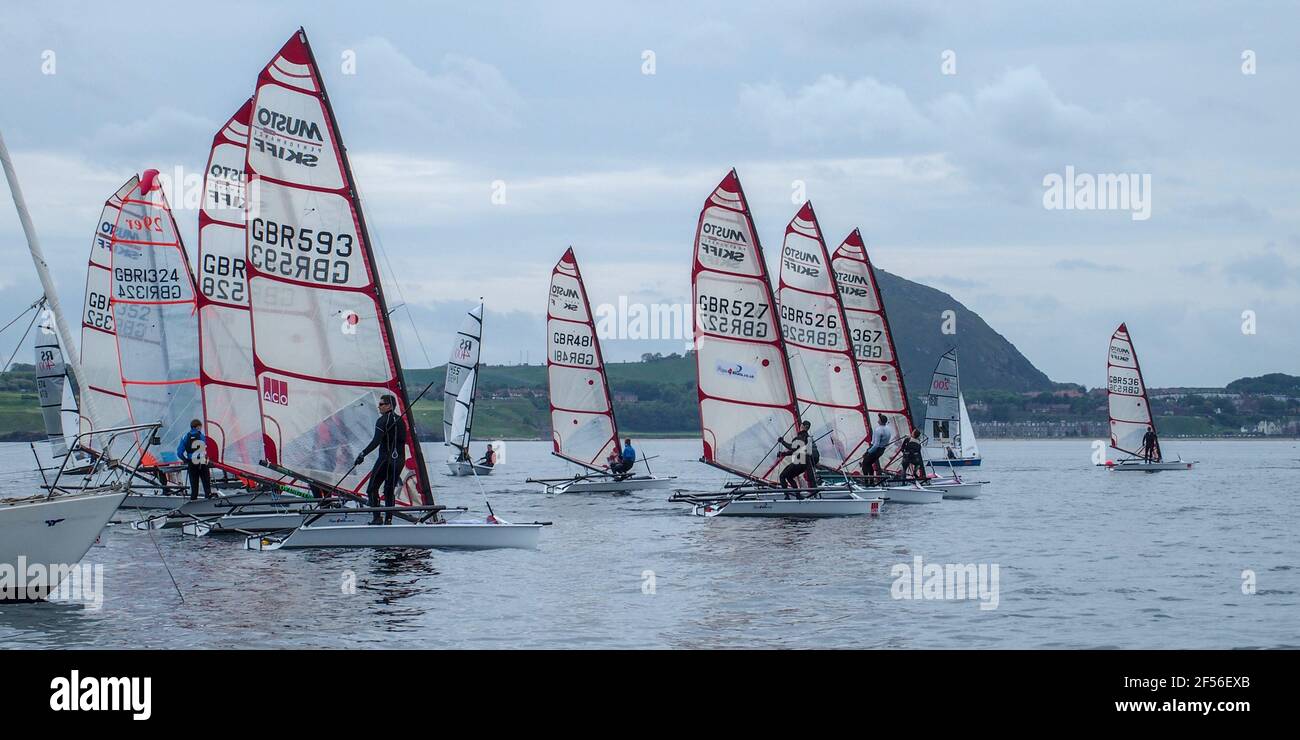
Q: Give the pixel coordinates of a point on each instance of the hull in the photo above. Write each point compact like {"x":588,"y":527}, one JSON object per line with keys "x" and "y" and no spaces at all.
{"x":257,"y":522}
{"x":963,"y":490}
{"x":154,"y":501}
{"x":805,"y":508}
{"x":210,"y":508}
{"x":57,"y":531}
{"x":609,"y":485}
{"x":466,"y":469}
{"x":913,"y":495}
{"x":958,"y":462}
{"x":451,"y":535}
{"x":1152,"y":467}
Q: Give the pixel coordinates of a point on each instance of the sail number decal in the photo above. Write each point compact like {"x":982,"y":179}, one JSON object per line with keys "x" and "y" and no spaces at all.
{"x":867,"y":344}
{"x":1124,"y":385}
{"x":223,"y":277}
{"x":313,"y":255}
{"x":733,"y":317}
{"x":147,"y":284}
{"x":811,"y":328}
{"x":97,"y":314}
{"x":572,"y":349}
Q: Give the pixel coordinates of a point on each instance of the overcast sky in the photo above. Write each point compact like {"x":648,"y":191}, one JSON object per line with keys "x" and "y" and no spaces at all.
{"x":944,"y":173}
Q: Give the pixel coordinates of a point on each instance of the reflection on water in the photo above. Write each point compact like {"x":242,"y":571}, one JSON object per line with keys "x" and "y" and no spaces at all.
{"x":1087,"y":559}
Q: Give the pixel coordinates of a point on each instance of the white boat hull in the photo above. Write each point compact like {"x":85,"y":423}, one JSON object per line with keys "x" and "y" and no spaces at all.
{"x":154,"y":501}
{"x":467,"y":469}
{"x":782,"y":507}
{"x":254,"y":522}
{"x":609,"y":485}
{"x":1150,"y":467}
{"x":55,"y":531}
{"x":962,"y":490}
{"x":212,"y":508}
{"x":450,"y":535}
{"x":913,"y":495}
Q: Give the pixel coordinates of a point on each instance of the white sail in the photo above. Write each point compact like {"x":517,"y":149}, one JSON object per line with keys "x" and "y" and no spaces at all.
{"x":969,"y":447}
{"x":942,"y":408}
{"x":817,"y":342}
{"x":230,"y":400}
{"x":873,"y":343}
{"x":583,"y":429}
{"x":1126,"y":394}
{"x":747,"y":401}
{"x":323,"y":348}
{"x":103,"y":404}
{"x":155,"y":318}
{"x":458,"y":391}
{"x":51,"y":389}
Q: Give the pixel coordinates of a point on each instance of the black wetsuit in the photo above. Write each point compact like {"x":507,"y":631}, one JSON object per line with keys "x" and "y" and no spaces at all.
{"x":1150,"y":447}
{"x":390,"y":440}
{"x":803,"y":456}
{"x":912,"y":456}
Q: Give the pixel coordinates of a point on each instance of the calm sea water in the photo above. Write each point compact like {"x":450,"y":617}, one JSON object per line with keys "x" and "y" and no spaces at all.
{"x":1086,"y":558}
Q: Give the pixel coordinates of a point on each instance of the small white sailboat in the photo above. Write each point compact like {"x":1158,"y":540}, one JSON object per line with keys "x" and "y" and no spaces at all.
{"x":950,"y":438}
{"x":584,"y":430}
{"x":747,"y":398}
{"x":1130,"y":410}
{"x":458,"y":396}
{"x":55,"y":528}
{"x":323,"y":348}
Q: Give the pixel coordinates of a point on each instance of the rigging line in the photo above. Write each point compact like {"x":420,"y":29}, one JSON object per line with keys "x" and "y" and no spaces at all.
{"x":24,"y":313}
{"x":5,"y":367}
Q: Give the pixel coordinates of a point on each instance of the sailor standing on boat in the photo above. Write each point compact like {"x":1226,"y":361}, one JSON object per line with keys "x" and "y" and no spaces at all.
{"x":881,"y":436}
{"x":390,"y":439}
{"x":193,"y":449}
{"x":1150,"y":446}
{"x":803,"y":456}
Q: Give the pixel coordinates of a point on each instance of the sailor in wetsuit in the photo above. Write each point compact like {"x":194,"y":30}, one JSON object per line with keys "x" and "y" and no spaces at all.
{"x":390,"y":439}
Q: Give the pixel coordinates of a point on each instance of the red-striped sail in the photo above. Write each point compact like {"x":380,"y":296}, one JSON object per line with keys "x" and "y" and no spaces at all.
{"x":323,"y":349}
{"x":816,"y":332}
{"x":99,"y":359}
{"x":873,"y":344}
{"x":230,"y":402}
{"x":1126,"y":395}
{"x":155,"y":318}
{"x":745,"y":394}
{"x":583,"y":429}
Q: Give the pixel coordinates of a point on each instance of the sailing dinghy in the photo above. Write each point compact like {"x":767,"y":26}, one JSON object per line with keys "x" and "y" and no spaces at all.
{"x":584,"y":430}
{"x":1130,"y":409}
{"x":746,"y":395}
{"x":950,"y":440}
{"x":323,"y":348}
{"x":458,"y":395}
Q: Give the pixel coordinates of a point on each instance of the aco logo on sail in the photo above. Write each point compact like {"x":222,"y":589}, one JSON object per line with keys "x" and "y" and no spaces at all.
{"x":275,"y":391}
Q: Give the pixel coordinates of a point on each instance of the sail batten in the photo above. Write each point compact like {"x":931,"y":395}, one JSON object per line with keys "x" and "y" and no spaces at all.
{"x":746,"y":396}
{"x":583,"y":427}
{"x":1126,"y":395}
{"x":820,"y":351}
{"x":323,"y":348}
{"x":873,"y":343}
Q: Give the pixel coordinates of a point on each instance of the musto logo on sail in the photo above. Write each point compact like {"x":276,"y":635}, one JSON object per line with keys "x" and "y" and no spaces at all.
{"x":287,"y":138}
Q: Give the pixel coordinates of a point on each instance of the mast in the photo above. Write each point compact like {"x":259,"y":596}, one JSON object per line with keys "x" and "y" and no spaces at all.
{"x":43,"y":271}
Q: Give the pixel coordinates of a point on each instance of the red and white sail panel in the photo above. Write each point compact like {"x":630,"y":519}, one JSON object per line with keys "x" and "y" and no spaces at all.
{"x":745,"y":394}
{"x":1126,"y":395}
{"x":882,"y":378}
{"x":229,"y":385}
{"x":817,"y":343}
{"x":323,"y":350}
{"x":99,"y":358}
{"x":583,"y":429}
{"x":155,"y":318}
